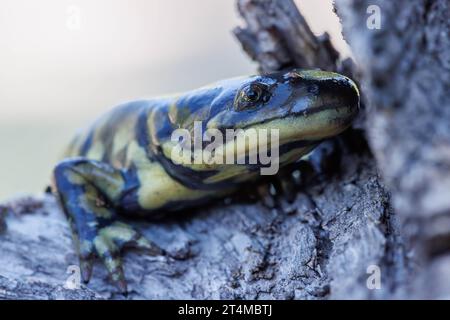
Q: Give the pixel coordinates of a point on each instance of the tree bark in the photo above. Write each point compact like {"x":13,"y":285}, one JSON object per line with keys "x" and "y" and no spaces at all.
{"x":406,"y":68}
{"x":318,"y":247}
{"x":340,"y":230}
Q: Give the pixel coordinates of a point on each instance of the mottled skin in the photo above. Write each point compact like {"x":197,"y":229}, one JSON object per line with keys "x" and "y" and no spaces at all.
{"x":121,"y":165}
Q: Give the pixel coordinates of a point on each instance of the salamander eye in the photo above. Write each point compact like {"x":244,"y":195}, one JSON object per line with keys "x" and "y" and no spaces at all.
{"x":249,"y":96}
{"x":252,"y":93}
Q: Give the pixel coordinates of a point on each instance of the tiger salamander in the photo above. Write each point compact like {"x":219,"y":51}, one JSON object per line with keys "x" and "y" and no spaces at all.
{"x":123,"y":163}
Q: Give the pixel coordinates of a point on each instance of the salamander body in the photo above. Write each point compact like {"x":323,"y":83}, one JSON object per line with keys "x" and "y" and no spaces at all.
{"x":127,"y":161}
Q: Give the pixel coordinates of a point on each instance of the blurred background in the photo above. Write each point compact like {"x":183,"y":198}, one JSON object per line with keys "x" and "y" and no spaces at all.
{"x":64,"y":62}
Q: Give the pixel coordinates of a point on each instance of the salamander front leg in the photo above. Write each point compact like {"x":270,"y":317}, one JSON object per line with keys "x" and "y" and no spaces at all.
{"x":90,"y":192}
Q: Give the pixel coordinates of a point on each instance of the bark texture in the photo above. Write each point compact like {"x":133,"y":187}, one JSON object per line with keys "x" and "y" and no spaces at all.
{"x":406,"y":78}
{"x":341,"y":225}
{"x":318,"y":247}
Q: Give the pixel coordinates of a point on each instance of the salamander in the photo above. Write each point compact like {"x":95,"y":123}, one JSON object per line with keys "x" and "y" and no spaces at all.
{"x":124,"y":163}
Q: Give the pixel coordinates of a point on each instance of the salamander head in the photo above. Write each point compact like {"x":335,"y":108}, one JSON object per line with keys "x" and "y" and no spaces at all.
{"x":303,"y":106}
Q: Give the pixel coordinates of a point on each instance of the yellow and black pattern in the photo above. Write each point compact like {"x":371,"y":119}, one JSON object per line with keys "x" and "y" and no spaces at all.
{"x":122,"y":165}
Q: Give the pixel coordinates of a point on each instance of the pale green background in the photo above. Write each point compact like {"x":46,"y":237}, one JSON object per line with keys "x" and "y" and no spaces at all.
{"x":55,"y":78}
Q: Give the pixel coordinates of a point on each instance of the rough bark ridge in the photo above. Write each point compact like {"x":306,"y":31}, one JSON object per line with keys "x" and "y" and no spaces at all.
{"x":318,"y":247}
{"x":406,"y":78}
{"x":340,"y":223}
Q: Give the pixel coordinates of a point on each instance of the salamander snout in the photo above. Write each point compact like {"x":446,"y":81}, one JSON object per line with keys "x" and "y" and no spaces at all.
{"x":324,"y":103}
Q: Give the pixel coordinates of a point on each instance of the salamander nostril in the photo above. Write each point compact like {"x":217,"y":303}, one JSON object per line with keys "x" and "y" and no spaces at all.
{"x":293,"y":77}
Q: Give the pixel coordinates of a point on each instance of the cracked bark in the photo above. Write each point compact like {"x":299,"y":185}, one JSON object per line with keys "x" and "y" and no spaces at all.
{"x":311,"y":249}
{"x":341,"y":222}
{"x":406,"y":66}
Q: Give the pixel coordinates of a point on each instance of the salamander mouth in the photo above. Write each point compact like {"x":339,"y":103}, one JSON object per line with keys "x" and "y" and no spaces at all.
{"x":336,"y":106}
{"x":298,"y":144}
